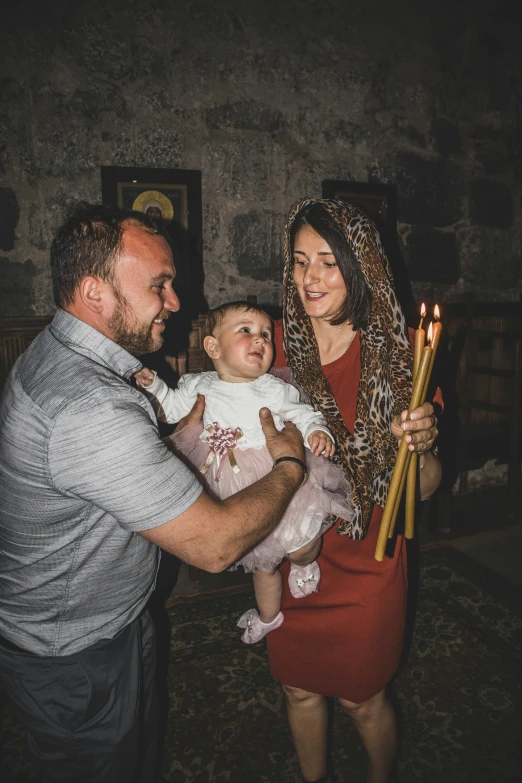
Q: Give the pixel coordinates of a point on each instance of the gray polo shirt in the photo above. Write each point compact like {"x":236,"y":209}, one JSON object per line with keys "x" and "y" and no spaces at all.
{"x":82,"y":469}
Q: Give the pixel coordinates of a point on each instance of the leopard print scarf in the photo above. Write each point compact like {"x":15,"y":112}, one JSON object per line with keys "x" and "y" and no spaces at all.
{"x":366,"y":457}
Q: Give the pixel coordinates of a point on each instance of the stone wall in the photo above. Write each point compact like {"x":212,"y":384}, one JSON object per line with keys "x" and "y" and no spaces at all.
{"x":267,"y":99}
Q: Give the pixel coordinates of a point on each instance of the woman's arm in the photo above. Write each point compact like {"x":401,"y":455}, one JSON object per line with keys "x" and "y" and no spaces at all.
{"x":430,"y":474}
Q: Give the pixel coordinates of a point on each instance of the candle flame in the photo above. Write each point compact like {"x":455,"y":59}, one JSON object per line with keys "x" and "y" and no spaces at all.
{"x":436,"y":312}
{"x":430,"y":333}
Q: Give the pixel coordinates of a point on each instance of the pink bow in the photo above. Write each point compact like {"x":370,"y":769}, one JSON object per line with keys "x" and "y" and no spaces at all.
{"x":221,"y":441}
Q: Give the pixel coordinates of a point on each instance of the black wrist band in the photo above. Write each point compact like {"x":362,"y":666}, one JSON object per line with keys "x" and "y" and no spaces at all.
{"x":298,"y":462}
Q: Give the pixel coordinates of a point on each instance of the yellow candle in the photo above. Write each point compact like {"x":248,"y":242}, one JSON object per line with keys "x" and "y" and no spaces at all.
{"x":400,"y":462}
{"x":411,"y":461}
{"x":433,"y":339}
{"x":434,"y":334}
{"x":420,"y":339}
{"x":405,"y":474}
{"x":423,"y":315}
{"x":411,"y":491}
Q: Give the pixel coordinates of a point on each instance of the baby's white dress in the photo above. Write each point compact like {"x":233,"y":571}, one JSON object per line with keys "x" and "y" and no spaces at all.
{"x":228,"y":452}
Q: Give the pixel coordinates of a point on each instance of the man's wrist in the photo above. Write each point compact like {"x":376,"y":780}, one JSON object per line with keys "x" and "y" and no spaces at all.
{"x":289,"y":461}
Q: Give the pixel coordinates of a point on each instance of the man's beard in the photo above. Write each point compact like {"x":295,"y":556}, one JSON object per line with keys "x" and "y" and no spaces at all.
{"x":130,"y":335}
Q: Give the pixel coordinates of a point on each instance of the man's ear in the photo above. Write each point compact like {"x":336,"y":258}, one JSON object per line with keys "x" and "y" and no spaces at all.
{"x":93,"y":294}
{"x":211,"y":346}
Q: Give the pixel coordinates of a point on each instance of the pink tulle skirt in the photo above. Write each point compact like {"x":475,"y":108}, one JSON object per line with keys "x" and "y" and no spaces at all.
{"x":325,"y":497}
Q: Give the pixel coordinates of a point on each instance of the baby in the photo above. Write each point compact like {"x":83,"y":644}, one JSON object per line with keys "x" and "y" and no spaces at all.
{"x":229,"y":452}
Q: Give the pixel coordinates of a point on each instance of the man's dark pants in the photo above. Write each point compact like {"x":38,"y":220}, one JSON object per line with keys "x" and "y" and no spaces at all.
{"x":91,"y":717}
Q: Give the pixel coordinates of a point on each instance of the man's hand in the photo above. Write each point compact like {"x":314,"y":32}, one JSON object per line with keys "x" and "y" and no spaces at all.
{"x":321,"y":443}
{"x":195,"y":415}
{"x":288,"y":443}
{"x":421,"y":428}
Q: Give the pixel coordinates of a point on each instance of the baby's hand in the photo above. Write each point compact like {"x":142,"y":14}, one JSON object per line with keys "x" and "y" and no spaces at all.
{"x":321,"y":443}
{"x":144,"y":377}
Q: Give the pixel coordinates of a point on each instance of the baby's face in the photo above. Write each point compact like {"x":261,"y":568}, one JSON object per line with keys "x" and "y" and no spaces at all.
{"x":244,"y":346}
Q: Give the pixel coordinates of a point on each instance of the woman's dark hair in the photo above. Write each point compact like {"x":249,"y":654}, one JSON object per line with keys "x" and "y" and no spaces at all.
{"x":356,"y":307}
{"x":89,"y":243}
{"x":216,"y":316}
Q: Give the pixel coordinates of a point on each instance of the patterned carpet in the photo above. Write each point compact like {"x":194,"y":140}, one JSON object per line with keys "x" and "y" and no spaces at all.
{"x":459,"y":692}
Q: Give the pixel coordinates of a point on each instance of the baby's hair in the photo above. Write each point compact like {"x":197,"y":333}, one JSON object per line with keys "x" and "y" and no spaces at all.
{"x":216,"y":316}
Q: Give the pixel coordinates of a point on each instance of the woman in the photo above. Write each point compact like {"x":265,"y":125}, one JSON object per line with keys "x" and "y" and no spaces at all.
{"x":347,"y":344}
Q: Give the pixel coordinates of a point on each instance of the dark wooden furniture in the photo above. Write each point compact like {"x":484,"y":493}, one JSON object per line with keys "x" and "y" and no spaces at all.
{"x":479,"y":370}
{"x":196,"y":357}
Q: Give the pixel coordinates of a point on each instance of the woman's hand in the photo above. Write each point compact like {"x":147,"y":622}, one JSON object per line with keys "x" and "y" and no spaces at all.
{"x":422,"y":431}
{"x":421,"y":428}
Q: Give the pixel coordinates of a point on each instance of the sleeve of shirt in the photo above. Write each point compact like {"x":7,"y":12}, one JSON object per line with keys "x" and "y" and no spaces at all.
{"x":108,"y":452}
{"x":172,"y":404}
{"x":305,"y":418}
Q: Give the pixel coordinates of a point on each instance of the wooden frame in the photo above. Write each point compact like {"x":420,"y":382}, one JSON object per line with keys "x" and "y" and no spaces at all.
{"x":377,"y":200}
{"x":178,"y":193}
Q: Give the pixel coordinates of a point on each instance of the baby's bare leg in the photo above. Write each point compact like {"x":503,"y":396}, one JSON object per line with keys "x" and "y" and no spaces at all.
{"x":268,"y":587}
{"x":307,"y":554}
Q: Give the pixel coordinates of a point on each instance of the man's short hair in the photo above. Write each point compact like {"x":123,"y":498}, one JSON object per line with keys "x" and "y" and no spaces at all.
{"x":216,"y":316}
{"x":89,"y":243}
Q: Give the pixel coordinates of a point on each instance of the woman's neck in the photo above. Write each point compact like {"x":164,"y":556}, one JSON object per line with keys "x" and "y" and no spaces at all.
{"x":332,"y":341}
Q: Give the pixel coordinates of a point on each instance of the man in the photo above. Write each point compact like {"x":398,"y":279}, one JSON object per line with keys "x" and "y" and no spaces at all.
{"x":88,"y":494}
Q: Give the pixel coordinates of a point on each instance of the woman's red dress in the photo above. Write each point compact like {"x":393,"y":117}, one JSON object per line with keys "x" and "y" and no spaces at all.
{"x":346,"y":639}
